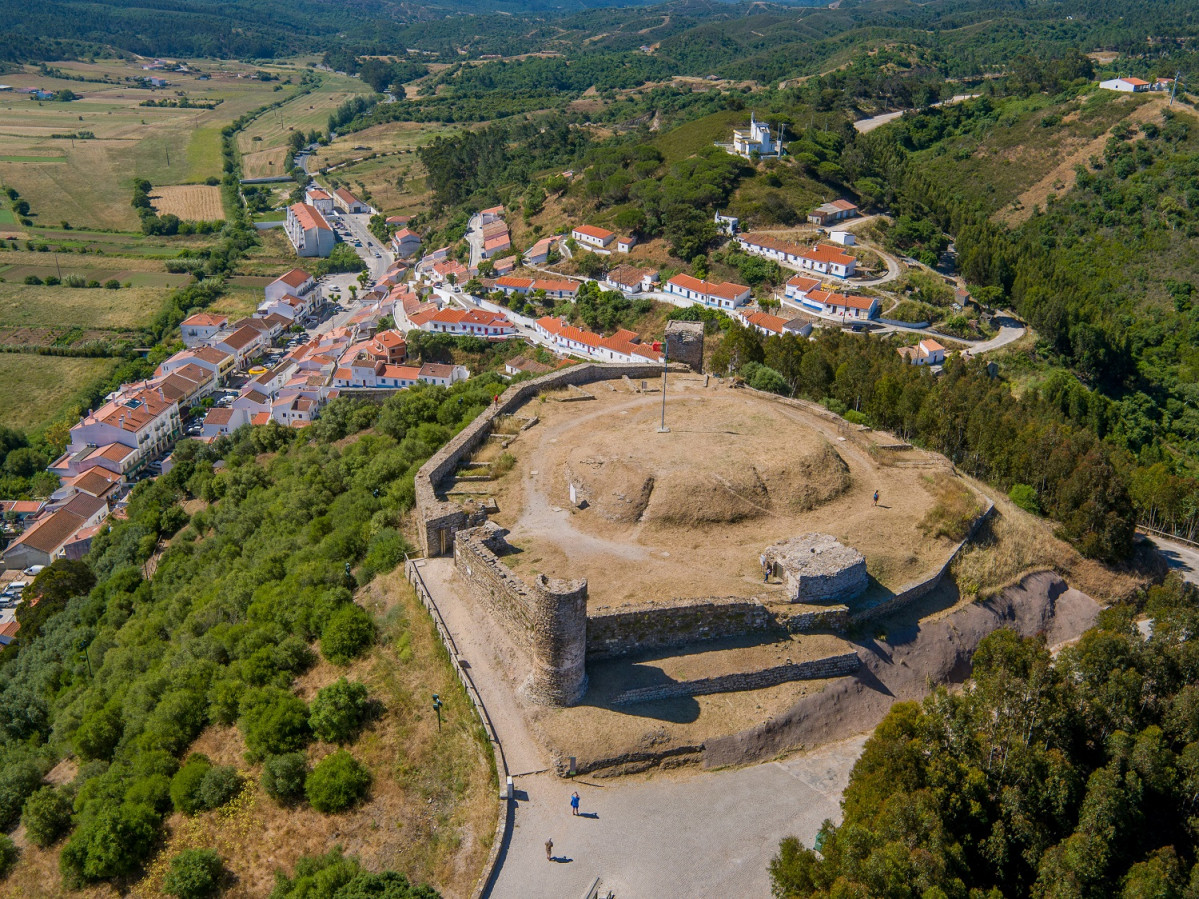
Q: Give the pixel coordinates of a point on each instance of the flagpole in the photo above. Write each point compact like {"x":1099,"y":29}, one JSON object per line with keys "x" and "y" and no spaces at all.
{"x":665,"y":362}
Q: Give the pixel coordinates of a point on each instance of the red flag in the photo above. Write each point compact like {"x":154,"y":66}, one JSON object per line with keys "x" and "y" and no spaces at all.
{"x":657,"y":346}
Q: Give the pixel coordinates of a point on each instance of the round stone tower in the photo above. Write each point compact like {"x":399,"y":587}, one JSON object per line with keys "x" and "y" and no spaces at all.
{"x":559,"y":611}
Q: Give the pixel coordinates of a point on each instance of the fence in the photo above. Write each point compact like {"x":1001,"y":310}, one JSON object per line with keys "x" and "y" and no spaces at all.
{"x":1166,"y":535}
{"x":412,"y":572}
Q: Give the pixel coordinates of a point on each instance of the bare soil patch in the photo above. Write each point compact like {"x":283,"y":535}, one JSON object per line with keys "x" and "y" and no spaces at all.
{"x":191,"y":202}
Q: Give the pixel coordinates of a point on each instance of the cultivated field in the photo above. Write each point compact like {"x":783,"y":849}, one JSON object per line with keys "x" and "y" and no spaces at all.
{"x":87,"y":182}
{"x":36,"y":388}
{"x":191,"y":202}
{"x":263,"y":144}
{"x":25,"y":306}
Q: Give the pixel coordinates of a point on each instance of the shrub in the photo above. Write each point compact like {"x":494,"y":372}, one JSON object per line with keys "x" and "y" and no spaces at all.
{"x":283,"y":776}
{"x":8,"y":855}
{"x":220,"y":784}
{"x":99,"y":733}
{"x":185,"y":785}
{"x":274,"y":721}
{"x":1025,"y":496}
{"x":112,"y":284}
{"x":194,"y":874}
{"x":32,"y":279}
{"x":115,"y":842}
{"x":47,"y":816}
{"x":337,"y":782}
{"x":348,"y":632}
{"x":18,"y":781}
{"x":338,"y":711}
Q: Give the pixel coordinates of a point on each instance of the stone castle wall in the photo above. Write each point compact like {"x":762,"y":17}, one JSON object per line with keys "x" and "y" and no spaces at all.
{"x":438,"y":521}
{"x":630,"y":629}
{"x":547,"y":617}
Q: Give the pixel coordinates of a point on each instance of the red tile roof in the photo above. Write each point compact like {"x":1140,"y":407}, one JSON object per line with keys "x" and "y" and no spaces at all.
{"x":726,"y":290}
{"x":592,"y":231}
{"x":827,"y":254}
{"x":309,"y":217}
{"x":206,"y":320}
{"x":295,"y":278}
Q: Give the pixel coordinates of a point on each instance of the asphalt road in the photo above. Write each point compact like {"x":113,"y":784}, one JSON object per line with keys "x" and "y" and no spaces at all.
{"x":1180,"y":557}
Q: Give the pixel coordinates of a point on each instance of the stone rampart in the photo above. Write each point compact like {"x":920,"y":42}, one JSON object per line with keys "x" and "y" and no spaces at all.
{"x":438,"y":521}
{"x":546,"y":617}
{"x":629,"y":629}
{"x":817,"y":669}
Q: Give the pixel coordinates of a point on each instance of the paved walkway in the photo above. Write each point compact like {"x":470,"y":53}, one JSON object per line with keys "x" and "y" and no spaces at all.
{"x":688,"y":833}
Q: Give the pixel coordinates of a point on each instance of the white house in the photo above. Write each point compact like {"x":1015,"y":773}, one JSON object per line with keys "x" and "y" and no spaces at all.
{"x":843,"y":238}
{"x":756,"y":138}
{"x":319,"y":199}
{"x":625,"y":244}
{"x":722,"y":296}
{"x":222,"y":422}
{"x":826,"y":259}
{"x":539,"y":253}
{"x":799,"y":286}
{"x":200,"y":328}
{"x":727,"y":224}
{"x":781,"y":251}
{"x":296,"y":283}
{"x":836,"y":211}
{"x":473,"y":322}
{"x":494,"y":214}
{"x":308,"y":231}
{"x":347,"y":202}
{"x":405,"y":243}
{"x":845,"y":305}
{"x":1128,"y":85}
{"x":593,"y":236}
{"x":630,"y":279}
{"x":242,"y":344}
{"x":140,"y":420}
{"x":443,"y":375}
{"x":558,"y":290}
{"x":929,"y":352}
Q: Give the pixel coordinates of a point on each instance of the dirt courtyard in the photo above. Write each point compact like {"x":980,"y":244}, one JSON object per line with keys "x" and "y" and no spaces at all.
{"x":688,"y":513}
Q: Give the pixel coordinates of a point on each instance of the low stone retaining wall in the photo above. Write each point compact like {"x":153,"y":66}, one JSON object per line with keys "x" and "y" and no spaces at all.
{"x":909,"y":593}
{"x":627,"y":630}
{"x":830,"y":618}
{"x":832,"y":666}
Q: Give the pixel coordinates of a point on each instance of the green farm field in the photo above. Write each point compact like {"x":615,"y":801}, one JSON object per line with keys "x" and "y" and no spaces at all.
{"x":38,"y":388}
{"x":263,"y":144}
{"x":88,"y":182}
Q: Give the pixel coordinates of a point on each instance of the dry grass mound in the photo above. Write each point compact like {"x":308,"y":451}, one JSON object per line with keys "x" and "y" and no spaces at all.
{"x":191,"y":202}
{"x":711,"y":492}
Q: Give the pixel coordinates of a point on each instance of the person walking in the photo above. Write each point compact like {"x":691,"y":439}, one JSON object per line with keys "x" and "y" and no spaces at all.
{"x":765,"y":568}
{"x":574,"y":804}
{"x":549,"y":850}
{"x":876,"y":497}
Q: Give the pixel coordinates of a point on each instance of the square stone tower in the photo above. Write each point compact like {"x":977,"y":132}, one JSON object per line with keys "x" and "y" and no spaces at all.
{"x":685,"y":343}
